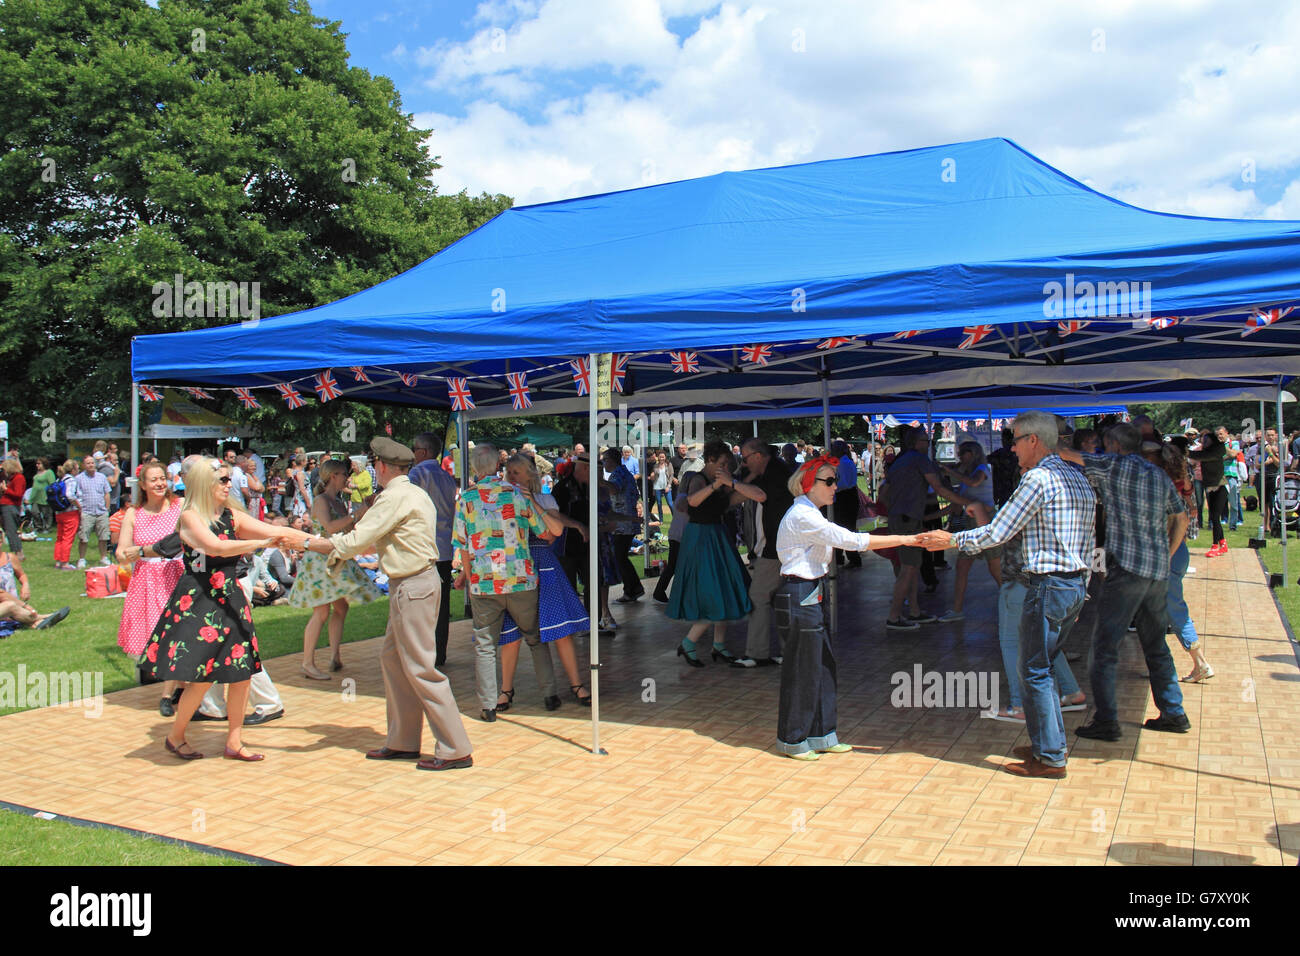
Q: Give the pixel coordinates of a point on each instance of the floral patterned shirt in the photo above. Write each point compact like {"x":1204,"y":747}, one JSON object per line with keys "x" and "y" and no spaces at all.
{"x":492,"y":523}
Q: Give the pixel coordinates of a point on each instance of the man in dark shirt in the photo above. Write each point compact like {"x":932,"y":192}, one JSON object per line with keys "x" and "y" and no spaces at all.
{"x":677,"y":461}
{"x":1006,"y":470}
{"x":1211,"y":454}
{"x":764,"y":469}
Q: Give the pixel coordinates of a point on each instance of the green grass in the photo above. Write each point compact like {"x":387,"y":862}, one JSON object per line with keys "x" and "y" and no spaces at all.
{"x":28,"y":841}
{"x":1288,"y":596}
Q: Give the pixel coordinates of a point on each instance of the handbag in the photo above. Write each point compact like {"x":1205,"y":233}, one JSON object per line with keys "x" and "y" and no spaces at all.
{"x":103,"y":581}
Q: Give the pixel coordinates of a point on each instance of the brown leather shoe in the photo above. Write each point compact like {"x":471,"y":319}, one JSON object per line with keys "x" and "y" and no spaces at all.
{"x":1024,"y":753}
{"x":383,"y":753}
{"x":434,"y":763}
{"x":1033,"y":767}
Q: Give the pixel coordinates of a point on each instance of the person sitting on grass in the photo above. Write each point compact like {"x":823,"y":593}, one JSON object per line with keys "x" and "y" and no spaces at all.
{"x":15,"y":592}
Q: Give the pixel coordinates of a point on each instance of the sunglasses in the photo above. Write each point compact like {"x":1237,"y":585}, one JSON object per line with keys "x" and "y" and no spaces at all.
{"x":225,"y":480}
{"x":830,"y":481}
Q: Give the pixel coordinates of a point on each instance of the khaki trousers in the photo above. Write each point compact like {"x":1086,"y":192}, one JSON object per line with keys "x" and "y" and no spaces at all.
{"x":414,"y":686}
{"x":765,"y":580}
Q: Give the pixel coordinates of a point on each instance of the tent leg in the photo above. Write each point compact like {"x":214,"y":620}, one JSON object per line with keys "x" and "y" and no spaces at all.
{"x":1281,"y":475}
{"x":832,"y":581}
{"x":135,"y":438}
{"x":1259,"y":463}
{"x":593,"y":556}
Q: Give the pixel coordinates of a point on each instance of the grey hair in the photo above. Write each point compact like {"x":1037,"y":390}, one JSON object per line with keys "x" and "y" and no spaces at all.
{"x":1042,"y":424}
{"x":1126,"y":436}
{"x":484,"y":459}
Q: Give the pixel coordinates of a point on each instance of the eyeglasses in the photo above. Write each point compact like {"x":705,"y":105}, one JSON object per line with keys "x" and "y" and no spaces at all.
{"x":1016,"y":438}
{"x":225,"y":480}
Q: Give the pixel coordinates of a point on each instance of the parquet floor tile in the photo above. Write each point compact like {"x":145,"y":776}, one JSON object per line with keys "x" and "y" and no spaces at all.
{"x":693,"y":777}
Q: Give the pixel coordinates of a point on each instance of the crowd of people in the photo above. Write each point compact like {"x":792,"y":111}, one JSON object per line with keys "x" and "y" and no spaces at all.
{"x":208,"y":538}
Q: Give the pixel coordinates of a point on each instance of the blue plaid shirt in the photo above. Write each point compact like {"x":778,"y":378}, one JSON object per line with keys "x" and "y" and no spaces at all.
{"x":1139,"y":499}
{"x":1053,"y":508}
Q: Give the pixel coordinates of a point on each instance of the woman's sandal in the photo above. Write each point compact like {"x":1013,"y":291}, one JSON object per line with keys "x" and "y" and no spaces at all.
{"x":173,"y":749}
{"x":509,"y":695}
{"x":313,"y":673}
{"x":240,"y":755}
{"x":584,"y":701}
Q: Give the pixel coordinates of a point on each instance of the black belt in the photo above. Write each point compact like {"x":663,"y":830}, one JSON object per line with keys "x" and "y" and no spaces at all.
{"x":1056,"y":574}
{"x":795,"y":577}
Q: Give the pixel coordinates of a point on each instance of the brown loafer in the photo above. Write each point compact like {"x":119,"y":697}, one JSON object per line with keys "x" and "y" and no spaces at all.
{"x":1024,"y":753}
{"x":1033,"y":767}
{"x":436,"y":764}
{"x":383,"y":753}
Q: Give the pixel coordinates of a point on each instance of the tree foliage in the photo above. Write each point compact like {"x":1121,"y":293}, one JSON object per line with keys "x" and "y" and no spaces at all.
{"x":225,"y":141}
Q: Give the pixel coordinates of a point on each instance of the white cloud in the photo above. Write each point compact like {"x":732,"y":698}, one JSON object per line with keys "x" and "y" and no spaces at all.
{"x":1159,"y":104}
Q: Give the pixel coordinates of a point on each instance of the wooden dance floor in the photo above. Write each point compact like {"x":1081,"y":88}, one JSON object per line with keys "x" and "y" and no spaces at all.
{"x":691,"y":775}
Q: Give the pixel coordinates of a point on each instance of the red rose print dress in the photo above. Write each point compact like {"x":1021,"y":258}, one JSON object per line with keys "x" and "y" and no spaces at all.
{"x":206,"y":630}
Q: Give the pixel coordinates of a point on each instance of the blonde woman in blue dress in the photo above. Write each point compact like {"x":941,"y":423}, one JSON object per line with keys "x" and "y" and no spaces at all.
{"x":315,"y":587}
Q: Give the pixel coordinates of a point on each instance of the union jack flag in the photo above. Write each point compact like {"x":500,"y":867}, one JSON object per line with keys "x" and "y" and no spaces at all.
{"x":997,"y":424}
{"x":949,"y":430}
{"x":246,"y":396}
{"x":1262,"y":318}
{"x":962,"y":424}
{"x":907,"y":335}
{"x":326,"y":386}
{"x":150,"y":394}
{"x":618,"y":371}
{"x":880,"y":430}
{"x":461,"y":400}
{"x":757,"y":354}
{"x":359,"y":373}
{"x":1066,"y":328}
{"x":915,"y":423}
{"x":974,"y":334}
{"x":519,"y":390}
{"x":684,"y":362}
{"x":198,"y":392}
{"x":834,"y":343}
{"x":410,"y":378}
{"x":290,"y":395}
{"x":581,"y":375}
{"x":1163,"y":322}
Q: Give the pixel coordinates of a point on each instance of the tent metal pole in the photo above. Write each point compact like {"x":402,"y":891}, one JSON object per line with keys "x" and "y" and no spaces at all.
{"x":461,"y":461}
{"x":1259,"y":463}
{"x":593,"y":553}
{"x":1281,"y":475}
{"x":755,"y":427}
{"x":135,"y":437}
{"x":832,"y":582}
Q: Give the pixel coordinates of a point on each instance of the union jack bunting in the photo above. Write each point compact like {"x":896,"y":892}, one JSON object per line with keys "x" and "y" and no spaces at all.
{"x":974,"y":334}
{"x":907,"y":335}
{"x":757,"y":354}
{"x":1163,"y":322}
{"x":979,"y":421}
{"x":150,"y":394}
{"x":197,"y":392}
{"x":290,"y":395}
{"x":618,"y":372}
{"x":1066,"y":328}
{"x":461,"y":401}
{"x":684,"y":362}
{"x":949,"y":430}
{"x":246,"y":396}
{"x":519,"y":390}
{"x":581,"y":375}
{"x":326,"y":386}
{"x":962,"y":424}
{"x":1262,"y":318}
{"x":997,"y":424}
{"x":410,"y":378}
{"x":834,"y":343}
{"x":915,"y":423}
{"x":359,"y":373}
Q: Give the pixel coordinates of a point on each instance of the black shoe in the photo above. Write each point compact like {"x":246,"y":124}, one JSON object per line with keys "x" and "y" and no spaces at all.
{"x":166,"y":707}
{"x":922,"y":618}
{"x":53,"y":619}
{"x":660,"y":598}
{"x":689,"y":655}
{"x":1169,"y":724}
{"x":488,"y":716}
{"x":754,"y":662}
{"x":1096,"y":730}
{"x":552,"y":702}
{"x":200,"y":715}
{"x":721,"y":654}
{"x":509,"y":695}
{"x":252,"y":720}
{"x":627,"y":599}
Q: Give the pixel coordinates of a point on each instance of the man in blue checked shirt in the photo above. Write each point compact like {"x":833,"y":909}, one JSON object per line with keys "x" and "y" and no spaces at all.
{"x":1145,"y":521}
{"x":1055,"y":507}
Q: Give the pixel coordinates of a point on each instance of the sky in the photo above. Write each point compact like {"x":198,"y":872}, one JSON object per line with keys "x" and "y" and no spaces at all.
{"x":1187,"y":107}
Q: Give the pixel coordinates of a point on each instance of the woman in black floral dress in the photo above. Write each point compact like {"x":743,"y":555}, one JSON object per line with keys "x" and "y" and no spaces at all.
{"x":205,"y":634}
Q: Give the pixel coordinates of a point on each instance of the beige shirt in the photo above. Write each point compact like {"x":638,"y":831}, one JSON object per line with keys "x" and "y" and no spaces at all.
{"x":400,"y":525}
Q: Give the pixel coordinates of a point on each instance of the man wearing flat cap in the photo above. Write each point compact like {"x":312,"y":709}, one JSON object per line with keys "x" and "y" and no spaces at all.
{"x":400,"y":525}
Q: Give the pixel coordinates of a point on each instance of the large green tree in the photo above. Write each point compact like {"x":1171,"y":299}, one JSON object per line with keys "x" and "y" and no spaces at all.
{"x":224,"y":141}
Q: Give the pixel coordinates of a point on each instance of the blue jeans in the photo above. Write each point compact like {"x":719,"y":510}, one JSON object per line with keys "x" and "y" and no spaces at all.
{"x":1052,"y":605}
{"x":1234,"y":504}
{"x":1011,"y":604}
{"x":807,"y":711}
{"x":1126,"y":597}
{"x":1179,"y":616}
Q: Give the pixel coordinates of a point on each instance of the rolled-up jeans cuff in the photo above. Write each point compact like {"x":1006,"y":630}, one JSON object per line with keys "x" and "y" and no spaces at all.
{"x":802,"y":747}
{"x":823,"y":743}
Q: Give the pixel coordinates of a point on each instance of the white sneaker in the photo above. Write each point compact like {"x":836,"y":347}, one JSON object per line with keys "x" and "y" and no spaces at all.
{"x":949,"y":616}
{"x":81,"y":564}
{"x":104,"y":562}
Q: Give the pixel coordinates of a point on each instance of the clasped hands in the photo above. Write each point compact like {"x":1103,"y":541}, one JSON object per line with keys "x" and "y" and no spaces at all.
{"x":936,"y":540}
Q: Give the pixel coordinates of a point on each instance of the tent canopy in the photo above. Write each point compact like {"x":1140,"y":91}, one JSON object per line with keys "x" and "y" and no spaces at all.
{"x":1007,"y":271}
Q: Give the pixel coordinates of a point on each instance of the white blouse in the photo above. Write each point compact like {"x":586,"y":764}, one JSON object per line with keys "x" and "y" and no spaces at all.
{"x":806,"y":540}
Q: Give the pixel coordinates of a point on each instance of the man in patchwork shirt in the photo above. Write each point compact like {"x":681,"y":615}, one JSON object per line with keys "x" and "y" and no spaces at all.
{"x":493,"y":521}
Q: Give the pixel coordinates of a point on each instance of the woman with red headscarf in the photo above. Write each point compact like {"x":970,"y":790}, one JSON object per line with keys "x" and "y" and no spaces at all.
{"x":805,"y":544}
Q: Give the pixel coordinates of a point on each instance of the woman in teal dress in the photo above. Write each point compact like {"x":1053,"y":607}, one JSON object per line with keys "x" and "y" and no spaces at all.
{"x":710,"y":587}
{"x":205,"y":633}
{"x":328,"y":593}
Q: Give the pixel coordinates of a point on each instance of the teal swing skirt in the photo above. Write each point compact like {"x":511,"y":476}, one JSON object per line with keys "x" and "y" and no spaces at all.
{"x":710,"y":583}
